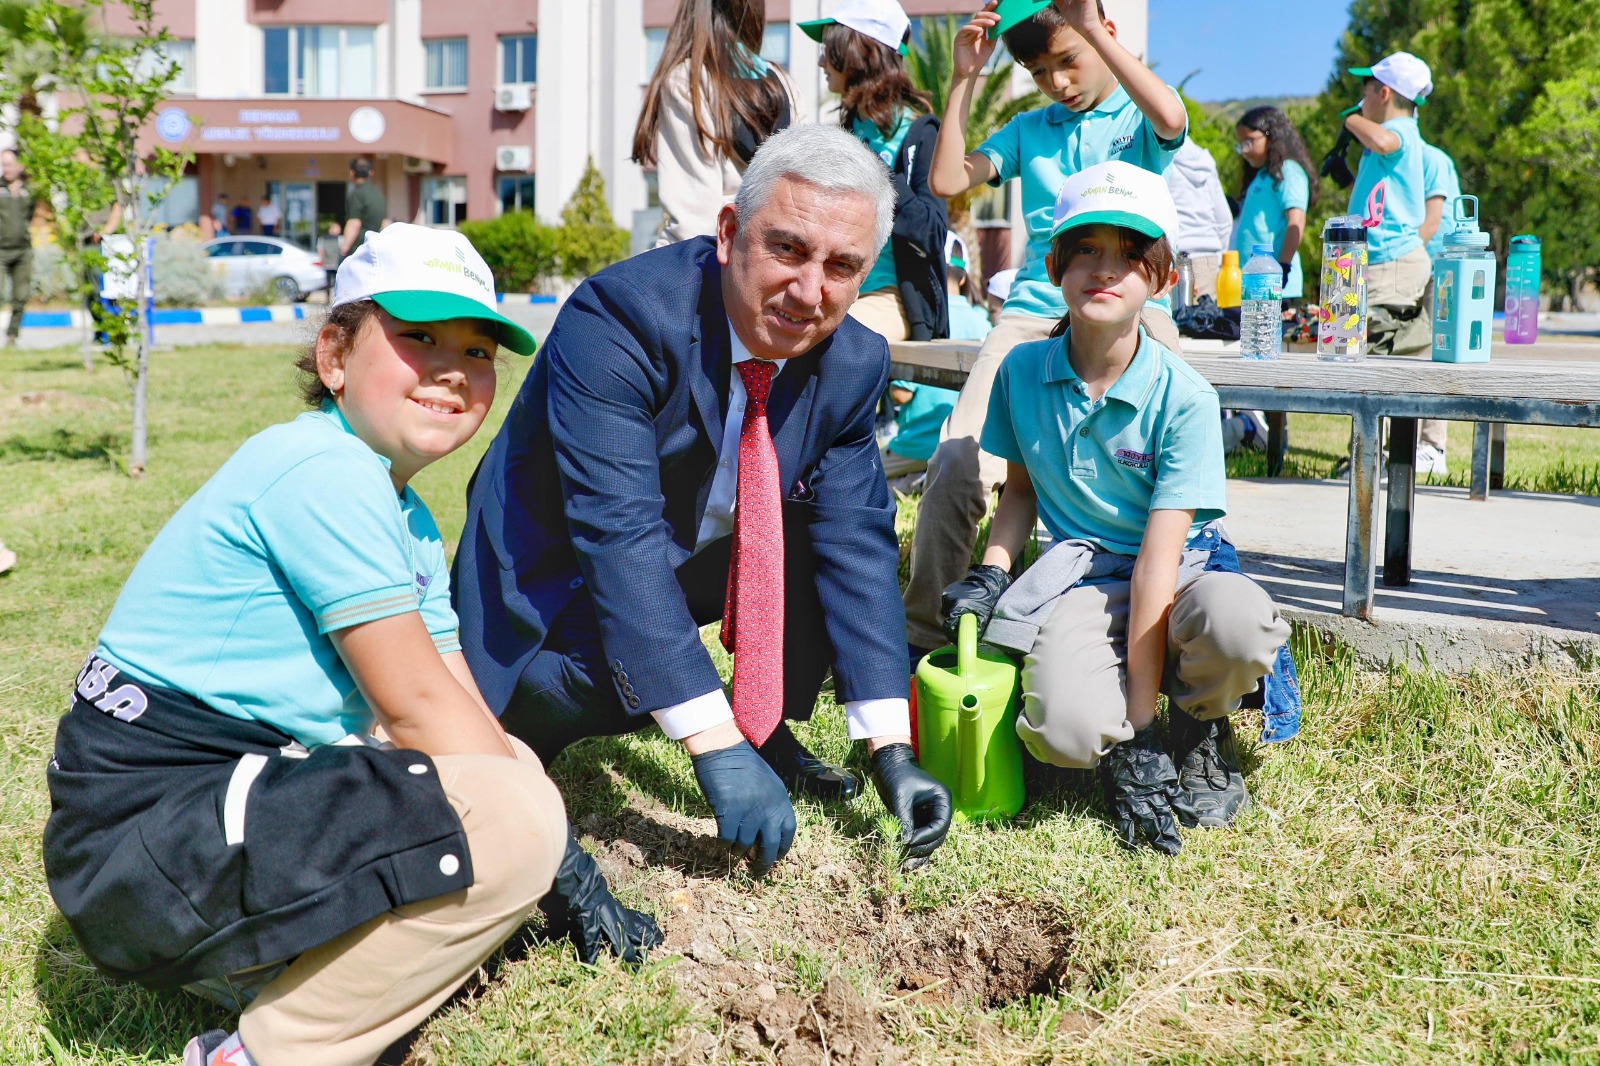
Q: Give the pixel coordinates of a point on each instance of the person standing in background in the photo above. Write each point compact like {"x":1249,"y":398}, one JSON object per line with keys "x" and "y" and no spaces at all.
{"x":969,"y":316}
{"x":1276,"y":193}
{"x":269,"y":216}
{"x":1204,"y":222}
{"x":221,"y":213}
{"x":365,"y":206}
{"x":1440,"y":187}
{"x":710,"y":104}
{"x":17,"y":206}
{"x":863,"y":44}
{"x":328,"y":249}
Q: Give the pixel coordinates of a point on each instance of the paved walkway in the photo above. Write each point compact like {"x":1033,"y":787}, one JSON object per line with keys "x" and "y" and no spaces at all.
{"x":1512,"y":580}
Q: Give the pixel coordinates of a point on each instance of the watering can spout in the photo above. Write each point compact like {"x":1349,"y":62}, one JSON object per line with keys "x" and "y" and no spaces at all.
{"x":971,"y":752}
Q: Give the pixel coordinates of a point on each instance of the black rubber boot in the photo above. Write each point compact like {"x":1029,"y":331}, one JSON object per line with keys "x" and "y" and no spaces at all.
{"x":1208,"y":768}
{"x":802,"y":773}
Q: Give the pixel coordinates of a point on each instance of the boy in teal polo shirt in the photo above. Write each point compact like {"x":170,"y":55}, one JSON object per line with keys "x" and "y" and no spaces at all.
{"x":1440,"y":187}
{"x":1115,"y":443}
{"x":1106,"y":105}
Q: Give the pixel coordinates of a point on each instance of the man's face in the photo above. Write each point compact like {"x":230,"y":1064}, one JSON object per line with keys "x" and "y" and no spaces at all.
{"x":10,"y":169}
{"x":792,"y":269}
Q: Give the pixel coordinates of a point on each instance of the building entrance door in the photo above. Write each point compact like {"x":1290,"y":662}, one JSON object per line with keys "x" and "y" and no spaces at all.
{"x":330,"y":203}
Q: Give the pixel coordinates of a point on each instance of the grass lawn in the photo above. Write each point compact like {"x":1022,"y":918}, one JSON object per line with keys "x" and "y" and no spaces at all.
{"x":1415,"y":883}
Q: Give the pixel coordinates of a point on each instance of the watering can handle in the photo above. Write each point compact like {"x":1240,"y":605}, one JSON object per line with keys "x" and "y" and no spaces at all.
{"x":967,"y":645}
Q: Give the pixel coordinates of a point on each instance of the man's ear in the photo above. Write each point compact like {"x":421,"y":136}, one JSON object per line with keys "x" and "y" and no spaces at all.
{"x":727,"y":229}
{"x":330,"y":359}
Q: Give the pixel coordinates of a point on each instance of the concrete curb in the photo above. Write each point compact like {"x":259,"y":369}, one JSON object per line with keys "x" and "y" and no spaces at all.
{"x":1418,"y":639}
{"x":228,"y":316}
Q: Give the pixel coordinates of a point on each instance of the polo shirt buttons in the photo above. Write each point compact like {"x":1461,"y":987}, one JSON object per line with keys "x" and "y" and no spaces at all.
{"x":418,"y":768}
{"x":449,"y":865}
{"x":1084,"y":432}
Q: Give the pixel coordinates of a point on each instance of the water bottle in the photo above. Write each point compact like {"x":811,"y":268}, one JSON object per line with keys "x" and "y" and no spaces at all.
{"x":1463,"y":289}
{"x":1183,"y":292}
{"x":1261,"y":317}
{"x":1522,"y":290}
{"x":1229,"y":281}
{"x":1342,"y":311}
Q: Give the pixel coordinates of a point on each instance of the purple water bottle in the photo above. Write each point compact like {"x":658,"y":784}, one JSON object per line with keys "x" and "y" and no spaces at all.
{"x":1522,"y":290}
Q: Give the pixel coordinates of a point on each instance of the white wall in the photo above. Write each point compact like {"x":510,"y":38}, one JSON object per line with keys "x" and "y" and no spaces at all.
{"x":406,"y":56}
{"x":227,"y":56}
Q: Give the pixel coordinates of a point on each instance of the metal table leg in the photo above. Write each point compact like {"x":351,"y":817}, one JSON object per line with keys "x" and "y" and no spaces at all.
{"x":1497,"y":456}
{"x":1402,"y":499}
{"x":1277,"y":441}
{"x":1361,"y":531}
{"x":1481,"y":432}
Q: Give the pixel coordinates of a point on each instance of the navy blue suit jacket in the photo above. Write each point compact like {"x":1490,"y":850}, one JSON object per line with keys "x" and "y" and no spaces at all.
{"x":599,"y":477}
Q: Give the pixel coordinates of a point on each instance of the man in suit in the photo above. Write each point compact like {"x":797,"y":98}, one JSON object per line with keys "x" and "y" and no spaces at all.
{"x":702,"y":403}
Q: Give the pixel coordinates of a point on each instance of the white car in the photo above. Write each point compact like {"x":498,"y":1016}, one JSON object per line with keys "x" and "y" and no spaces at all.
{"x":247,"y":265}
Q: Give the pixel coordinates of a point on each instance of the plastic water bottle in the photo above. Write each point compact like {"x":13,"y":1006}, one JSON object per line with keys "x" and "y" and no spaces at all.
{"x":1522,"y":290}
{"x":1342,"y":329}
{"x":1261,"y":313}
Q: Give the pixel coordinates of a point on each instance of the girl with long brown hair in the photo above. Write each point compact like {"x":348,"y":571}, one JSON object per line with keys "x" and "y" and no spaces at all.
{"x":710,"y":104}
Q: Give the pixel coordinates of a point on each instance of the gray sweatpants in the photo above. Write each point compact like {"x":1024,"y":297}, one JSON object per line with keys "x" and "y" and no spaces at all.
{"x":1223,"y":634}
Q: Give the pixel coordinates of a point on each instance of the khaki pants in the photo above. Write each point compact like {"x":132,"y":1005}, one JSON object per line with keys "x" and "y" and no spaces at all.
{"x":882,"y":312}
{"x":1223,"y":634}
{"x":1204,"y":268}
{"x":17,"y":265}
{"x":1404,"y":282}
{"x":343,"y":1003}
{"x":955,"y":495}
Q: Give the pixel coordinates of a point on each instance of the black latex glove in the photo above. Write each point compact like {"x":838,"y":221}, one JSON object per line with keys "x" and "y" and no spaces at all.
{"x":1142,"y":790}
{"x":1334,"y":165}
{"x":914,"y":796}
{"x":975,"y":594}
{"x":581,"y":908}
{"x":754,"y":814}
{"x":1286,"y":267}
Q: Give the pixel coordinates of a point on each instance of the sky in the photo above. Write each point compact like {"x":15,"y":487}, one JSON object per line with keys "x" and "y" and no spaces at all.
{"x":1245,"y":48}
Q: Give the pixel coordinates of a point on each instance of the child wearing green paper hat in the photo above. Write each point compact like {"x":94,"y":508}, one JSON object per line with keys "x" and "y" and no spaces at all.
{"x":278,"y":785}
{"x":1106,"y":105}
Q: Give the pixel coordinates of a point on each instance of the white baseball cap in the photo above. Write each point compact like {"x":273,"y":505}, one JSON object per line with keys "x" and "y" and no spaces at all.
{"x":1000,"y":283}
{"x":1402,"y":72}
{"x":1117,"y":194}
{"x":882,"y":20}
{"x":955,"y":250}
{"x":421,"y":274}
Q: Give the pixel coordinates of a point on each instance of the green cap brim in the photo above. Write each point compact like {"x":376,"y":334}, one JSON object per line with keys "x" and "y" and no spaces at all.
{"x":1012,"y":12}
{"x":1138,"y":223}
{"x":426,"y":305}
{"x":814,"y":29}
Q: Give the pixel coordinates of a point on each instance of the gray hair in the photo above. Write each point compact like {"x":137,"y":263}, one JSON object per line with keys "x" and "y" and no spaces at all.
{"x":824,"y":156}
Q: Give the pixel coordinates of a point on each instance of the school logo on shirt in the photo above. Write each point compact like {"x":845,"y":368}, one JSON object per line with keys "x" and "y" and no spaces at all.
{"x":1137,"y":460}
{"x":1121,"y":144}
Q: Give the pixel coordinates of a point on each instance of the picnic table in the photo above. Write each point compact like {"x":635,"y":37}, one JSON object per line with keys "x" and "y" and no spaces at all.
{"x":1550,"y":383}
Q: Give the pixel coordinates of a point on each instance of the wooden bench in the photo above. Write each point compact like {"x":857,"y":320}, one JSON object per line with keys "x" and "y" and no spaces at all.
{"x":1544,"y":384}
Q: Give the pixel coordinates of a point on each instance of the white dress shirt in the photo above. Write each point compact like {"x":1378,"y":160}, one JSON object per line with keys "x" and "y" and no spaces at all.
{"x":866,"y":718}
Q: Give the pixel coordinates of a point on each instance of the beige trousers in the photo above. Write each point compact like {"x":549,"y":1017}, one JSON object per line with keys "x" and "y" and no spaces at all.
{"x":1223,"y":634}
{"x":882,"y":312}
{"x":1204,"y":268}
{"x":1405,"y":281}
{"x":343,"y":1003}
{"x":961,"y":476}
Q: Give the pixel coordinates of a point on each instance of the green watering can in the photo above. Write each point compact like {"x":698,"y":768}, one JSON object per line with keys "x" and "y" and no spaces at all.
{"x":967,"y":726}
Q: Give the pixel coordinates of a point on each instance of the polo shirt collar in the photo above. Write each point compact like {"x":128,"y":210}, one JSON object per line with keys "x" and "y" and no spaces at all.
{"x":1060,"y":114}
{"x":333,"y":416}
{"x":1132,"y":388}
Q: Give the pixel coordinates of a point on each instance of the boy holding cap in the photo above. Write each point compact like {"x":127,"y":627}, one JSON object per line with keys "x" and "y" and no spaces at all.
{"x":1106,"y":105}
{"x":1114,"y":442}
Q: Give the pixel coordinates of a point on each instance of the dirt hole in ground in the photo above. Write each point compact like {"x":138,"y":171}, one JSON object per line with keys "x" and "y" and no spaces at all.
{"x":986,"y":954}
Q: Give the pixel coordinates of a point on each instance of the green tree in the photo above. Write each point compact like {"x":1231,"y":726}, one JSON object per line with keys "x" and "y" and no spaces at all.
{"x":588,"y":239}
{"x":86,"y":156}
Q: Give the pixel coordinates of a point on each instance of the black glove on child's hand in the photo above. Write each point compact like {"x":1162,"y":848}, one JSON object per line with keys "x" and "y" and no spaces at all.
{"x":975,"y":594}
{"x":1142,"y":790}
{"x":1334,"y":165}
{"x":914,"y":796}
{"x":581,"y":908}
{"x":751,"y":804}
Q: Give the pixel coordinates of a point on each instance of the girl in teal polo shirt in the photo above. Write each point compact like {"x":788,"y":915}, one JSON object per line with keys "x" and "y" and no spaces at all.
{"x":1115,"y":443}
{"x":223,"y":816}
{"x":1276,"y":192}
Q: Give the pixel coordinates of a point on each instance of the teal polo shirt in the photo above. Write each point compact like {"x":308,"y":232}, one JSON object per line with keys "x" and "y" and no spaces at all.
{"x":967,"y":322}
{"x":1396,"y":180}
{"x":1439,"y":178}
{"x":919,"y":420}
{"x":1044,"y":148}
{"x":300,"y":533}
{"x":1264,"y":215}
{"x":882,"y":275}
{"x":1099,"y":467}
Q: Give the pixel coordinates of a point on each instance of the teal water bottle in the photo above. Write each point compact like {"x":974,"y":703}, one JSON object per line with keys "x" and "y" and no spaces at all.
{"x":1463,"y":289}
{"x":1522,"y":290}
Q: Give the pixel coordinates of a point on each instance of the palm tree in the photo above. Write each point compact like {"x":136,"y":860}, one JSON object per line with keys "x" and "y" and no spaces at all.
{"x":928,"y":64}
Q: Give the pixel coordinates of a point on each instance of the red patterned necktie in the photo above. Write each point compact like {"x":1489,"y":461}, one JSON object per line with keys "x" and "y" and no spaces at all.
{"x":752,"y":614}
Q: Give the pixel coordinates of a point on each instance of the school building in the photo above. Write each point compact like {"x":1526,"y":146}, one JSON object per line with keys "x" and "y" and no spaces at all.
{"x":467,"y":108}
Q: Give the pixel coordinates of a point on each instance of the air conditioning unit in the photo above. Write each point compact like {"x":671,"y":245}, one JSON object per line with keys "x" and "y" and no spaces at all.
{"x":418,"y":166}
{"x":517,"y":157}
{"x":513,"y":97}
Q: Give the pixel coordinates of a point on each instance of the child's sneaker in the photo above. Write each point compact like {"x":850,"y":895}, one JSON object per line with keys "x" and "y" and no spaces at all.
{"x":1208,"y":768}
{"x":217,"y":1048}
{"x":1430,"y":460}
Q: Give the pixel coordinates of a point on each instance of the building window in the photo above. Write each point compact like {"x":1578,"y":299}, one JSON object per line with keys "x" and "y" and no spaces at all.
{"x":178,"y":53}
{"x":444,"y":201}
{"x":655,"y":43}
{"x":319,"y":61}
{"x":519,"y":59}
{"x":516,"y":193}
{"x":446,"y":64}
{"x":775,"y":44}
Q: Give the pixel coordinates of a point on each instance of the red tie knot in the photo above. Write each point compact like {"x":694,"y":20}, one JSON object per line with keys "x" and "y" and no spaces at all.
{"x":757,"y":377}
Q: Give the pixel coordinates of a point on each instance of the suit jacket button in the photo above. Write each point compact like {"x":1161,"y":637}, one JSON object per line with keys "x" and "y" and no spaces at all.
{"x":633,"y":701}
{"x":575,"y":583}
